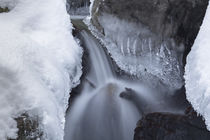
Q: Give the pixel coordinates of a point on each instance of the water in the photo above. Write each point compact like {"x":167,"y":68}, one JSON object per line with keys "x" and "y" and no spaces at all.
{"x":108,"y":107}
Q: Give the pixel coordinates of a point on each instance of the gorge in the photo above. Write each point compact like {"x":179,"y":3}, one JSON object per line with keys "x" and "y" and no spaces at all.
{"x":104,"y":70}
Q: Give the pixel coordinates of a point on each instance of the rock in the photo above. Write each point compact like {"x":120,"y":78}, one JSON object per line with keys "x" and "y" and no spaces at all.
{"x":180,"y":19}
{"x":131,"y":95}
{"x":167,"y":126}
{"x":3,"y":10}
{"x":128,"y":94}
{"x":28,"y":128}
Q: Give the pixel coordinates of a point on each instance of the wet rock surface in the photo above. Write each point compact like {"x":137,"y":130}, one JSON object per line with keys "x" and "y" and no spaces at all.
{"x":131,"y":95}
{"x":167,"y":126}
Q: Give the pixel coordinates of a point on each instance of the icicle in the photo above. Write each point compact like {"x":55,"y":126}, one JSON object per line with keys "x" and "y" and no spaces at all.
{"x":122,"y":48}
{"x":134,"y":47}
{"x":128,"y":46}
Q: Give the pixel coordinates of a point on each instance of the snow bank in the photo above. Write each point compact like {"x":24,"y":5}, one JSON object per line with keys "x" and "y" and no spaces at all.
{"x":39,"y":64}
{"x":197,"y":73}
{"x":139,"y":52}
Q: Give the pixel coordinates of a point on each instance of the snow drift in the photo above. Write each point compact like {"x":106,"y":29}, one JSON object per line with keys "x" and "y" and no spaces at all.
{"x":39,"y":64}
{"x":197,"y":73}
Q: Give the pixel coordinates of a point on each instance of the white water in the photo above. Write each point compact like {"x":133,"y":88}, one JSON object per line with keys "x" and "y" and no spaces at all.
{"x":99,"y":113}
{"x":100,"y":67}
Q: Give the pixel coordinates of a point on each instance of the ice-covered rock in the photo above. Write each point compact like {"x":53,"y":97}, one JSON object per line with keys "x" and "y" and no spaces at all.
{"x":39,"y":64}
{"x":149,"y":38}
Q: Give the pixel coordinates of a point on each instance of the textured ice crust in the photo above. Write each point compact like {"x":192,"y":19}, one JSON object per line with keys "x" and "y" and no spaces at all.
{"x":197,"y":71}
{"x":39,"y":64}
{"x":139,"y":52}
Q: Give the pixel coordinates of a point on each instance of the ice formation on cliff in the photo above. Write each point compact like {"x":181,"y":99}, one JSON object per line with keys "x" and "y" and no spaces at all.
{"x":140,"y":52}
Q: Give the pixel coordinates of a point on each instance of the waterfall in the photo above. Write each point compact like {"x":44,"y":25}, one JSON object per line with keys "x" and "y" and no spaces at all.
{"x":100,"y":66}
{"x":109,"y":106}
{"x":100,"y":113}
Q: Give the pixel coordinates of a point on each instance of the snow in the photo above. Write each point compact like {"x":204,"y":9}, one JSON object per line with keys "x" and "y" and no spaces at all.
{"x":139,"y":52}
{"x":39,"y":64}
{"x":197,"y":71}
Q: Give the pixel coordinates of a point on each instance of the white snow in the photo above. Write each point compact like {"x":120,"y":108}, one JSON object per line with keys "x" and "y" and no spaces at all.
{"x":39,"y":64}
{"x":197,"y":73}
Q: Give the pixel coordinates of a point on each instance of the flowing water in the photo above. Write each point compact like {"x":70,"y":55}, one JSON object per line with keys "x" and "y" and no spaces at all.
{"x":108,"y":107}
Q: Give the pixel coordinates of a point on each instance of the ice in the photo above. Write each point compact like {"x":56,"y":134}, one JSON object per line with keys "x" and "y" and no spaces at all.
{"x":197,"y":73}
{"x":39,"y":64}
{"x":140,"y":52}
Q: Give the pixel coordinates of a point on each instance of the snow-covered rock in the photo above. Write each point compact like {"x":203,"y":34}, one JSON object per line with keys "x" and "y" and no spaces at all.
{"x":39,"y":64}
{"x":149,"y":38}
{"x":197,"y":73}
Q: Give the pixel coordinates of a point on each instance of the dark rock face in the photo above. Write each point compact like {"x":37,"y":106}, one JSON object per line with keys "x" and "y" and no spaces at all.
{"x":166,"y":126}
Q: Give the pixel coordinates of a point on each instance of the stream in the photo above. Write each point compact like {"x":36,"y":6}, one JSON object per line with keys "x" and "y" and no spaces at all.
{"x":109,"y":106}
